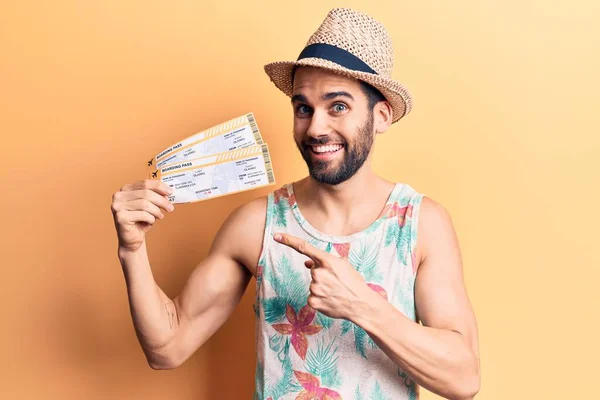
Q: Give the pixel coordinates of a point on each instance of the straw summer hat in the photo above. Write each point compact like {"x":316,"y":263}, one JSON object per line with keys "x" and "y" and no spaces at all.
{"x":353,"y":44}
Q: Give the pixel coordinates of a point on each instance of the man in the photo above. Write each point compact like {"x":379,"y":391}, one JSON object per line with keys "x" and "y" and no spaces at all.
{"x":346,"y":263}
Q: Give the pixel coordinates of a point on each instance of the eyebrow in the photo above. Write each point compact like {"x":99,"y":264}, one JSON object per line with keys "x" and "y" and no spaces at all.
{"x":333,"y":95}
{"x":327,"y":96}
{"x":299,"y":98}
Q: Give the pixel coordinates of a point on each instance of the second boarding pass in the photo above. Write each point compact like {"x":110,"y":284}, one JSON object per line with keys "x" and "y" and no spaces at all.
{"x":218,"y":175}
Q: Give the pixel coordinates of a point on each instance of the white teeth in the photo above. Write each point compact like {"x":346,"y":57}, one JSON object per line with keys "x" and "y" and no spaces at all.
{"x":327,"y":148}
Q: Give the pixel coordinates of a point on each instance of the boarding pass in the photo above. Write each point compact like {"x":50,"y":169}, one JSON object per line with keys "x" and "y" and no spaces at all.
{"x":232,"y":135}
{"x":218,"y":175}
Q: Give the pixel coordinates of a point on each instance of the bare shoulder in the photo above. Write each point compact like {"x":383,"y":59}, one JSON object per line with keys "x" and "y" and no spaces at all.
{"x":432,"y":209}
{"x":435,"y":224}
{"x":241,"y":235}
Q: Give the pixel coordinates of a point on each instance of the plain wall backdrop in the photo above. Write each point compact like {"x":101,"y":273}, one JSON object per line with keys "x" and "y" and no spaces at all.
{"x":505,"y":133}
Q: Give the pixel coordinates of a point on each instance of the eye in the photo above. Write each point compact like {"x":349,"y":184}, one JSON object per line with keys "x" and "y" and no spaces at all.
{"x":339,"y":107}
{"x":302,"y":109}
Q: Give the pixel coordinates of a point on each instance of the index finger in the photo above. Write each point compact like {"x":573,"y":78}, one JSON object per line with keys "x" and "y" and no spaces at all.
{"x":301,"y":246}
{"x":153,"y":184}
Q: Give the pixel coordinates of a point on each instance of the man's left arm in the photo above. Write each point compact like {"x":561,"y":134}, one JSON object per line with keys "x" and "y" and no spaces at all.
{"x":442,"y":355}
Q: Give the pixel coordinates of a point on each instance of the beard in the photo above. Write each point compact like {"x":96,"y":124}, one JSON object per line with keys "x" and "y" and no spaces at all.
{"x":354,"y":156}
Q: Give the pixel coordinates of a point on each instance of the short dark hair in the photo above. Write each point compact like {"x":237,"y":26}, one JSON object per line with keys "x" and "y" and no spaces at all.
{"x":374,"y":96}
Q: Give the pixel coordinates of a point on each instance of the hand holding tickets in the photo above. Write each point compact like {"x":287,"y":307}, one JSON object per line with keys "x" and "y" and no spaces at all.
{"x":225,"y":159}
{"x":135,"y":208}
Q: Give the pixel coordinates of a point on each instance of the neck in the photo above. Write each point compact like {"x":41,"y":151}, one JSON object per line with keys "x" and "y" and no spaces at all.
{"x":365,"y":192}
{"x":346,"y":192}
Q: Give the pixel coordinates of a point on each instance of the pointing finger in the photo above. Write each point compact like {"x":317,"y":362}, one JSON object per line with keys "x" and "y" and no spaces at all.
{"x":301,"y":246}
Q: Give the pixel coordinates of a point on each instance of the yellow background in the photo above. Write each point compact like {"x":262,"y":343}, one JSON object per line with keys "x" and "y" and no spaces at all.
{"x":504,"y":133}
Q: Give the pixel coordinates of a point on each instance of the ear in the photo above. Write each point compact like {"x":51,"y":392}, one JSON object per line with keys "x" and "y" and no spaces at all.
{"x":382,"y":116}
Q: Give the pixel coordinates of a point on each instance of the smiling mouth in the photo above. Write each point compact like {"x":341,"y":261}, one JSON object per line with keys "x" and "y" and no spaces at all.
{"x":326,"y":149}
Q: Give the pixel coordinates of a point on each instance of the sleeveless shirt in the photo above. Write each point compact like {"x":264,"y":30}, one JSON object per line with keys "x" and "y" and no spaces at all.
{"x":303,"y":354}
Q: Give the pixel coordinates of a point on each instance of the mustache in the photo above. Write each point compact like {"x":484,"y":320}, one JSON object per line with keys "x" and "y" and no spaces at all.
{"x":322,"y":141}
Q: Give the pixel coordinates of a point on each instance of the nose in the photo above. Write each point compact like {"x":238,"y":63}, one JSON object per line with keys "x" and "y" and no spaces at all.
{"x":319,"y":125}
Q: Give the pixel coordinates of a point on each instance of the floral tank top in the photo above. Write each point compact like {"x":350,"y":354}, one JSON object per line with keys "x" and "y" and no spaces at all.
{"x":303,"y":354}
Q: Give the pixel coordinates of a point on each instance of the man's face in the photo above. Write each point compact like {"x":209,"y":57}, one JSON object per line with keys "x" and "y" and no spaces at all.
{"x":333,"y":125}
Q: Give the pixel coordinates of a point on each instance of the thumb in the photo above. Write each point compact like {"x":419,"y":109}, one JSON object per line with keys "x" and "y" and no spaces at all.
{"x":309,"y":264}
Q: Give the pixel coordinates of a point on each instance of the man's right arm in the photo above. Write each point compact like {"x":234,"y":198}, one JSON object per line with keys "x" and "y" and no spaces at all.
{"x":170,"y":331}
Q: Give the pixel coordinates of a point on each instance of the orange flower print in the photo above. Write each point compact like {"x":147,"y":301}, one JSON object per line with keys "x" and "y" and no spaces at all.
{"x":299,"y":326}
{"x":312,"y":388}
{"x":378,"y":289}
{"x":395,"y":211}
{"x":343,"y":249}
{"x":283,"y":194}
